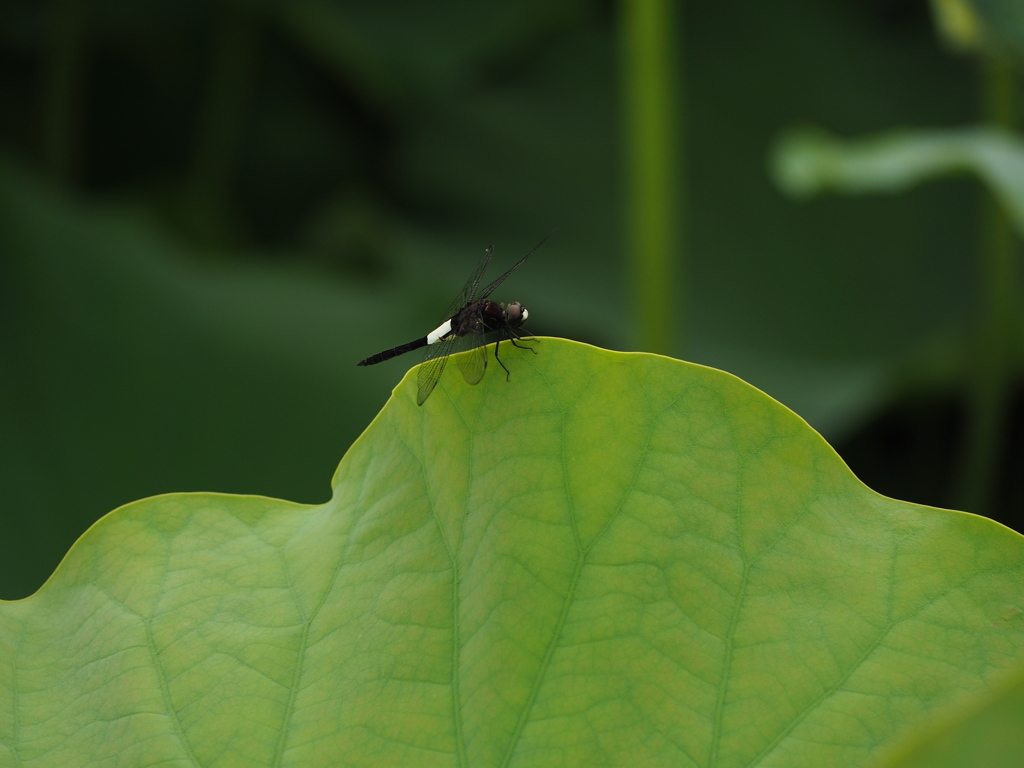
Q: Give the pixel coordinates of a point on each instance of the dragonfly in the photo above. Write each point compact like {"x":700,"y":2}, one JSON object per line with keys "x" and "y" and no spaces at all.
{"x":467,"y":321}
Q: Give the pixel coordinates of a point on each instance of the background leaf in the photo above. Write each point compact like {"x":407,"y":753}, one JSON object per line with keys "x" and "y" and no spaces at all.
{"x":613,"y":559}
{"x":980,"y":730}
{"x":365,"y":154}
{"x":993,"y":27}
{"x":992,"y":353}
{"x":806,"y":163}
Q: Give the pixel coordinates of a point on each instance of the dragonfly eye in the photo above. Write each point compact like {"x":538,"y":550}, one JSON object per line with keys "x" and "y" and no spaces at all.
{"x":516,"y":314}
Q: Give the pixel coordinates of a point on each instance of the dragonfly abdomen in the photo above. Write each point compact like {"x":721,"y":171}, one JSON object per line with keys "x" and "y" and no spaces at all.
{"x":387,"y":354}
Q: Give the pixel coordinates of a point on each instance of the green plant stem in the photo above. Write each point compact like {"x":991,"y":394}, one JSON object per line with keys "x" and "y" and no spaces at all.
{"x":651,"y":135}
{"x":996,"y":310}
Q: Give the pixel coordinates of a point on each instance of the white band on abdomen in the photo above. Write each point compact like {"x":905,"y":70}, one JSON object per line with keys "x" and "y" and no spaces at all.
{"x":440,"y":332}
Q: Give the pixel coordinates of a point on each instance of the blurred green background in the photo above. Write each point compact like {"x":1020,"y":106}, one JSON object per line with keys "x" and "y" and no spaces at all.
{"x":209,"y":211}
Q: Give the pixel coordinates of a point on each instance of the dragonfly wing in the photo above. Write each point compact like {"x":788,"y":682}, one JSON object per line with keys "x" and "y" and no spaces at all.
{"x":434,"y":360}
{"x":473,"y":364}
{"x":499,"y":280}
{"x":469,"y":289}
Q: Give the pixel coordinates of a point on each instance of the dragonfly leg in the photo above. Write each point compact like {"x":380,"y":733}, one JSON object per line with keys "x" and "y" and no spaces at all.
{"x":516,"y":337}
{"x":520,"y":346}
{"x":508,"y":374}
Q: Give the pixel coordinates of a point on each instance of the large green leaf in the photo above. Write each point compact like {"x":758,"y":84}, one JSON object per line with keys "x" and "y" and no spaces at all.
{"x":613,"y":559}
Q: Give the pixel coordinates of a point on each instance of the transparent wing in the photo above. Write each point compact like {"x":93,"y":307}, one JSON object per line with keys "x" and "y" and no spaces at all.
{"x":473,"y":364}
{"x":498,"y":281}
{"x":469,"y":289}
{"x":432,"y":367}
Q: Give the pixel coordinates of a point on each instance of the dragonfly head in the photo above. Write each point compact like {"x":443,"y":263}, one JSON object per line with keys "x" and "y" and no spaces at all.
{"x":516,"y":314}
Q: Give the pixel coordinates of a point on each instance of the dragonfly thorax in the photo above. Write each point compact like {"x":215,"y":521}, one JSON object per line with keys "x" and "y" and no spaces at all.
{"x":491,"y":315}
